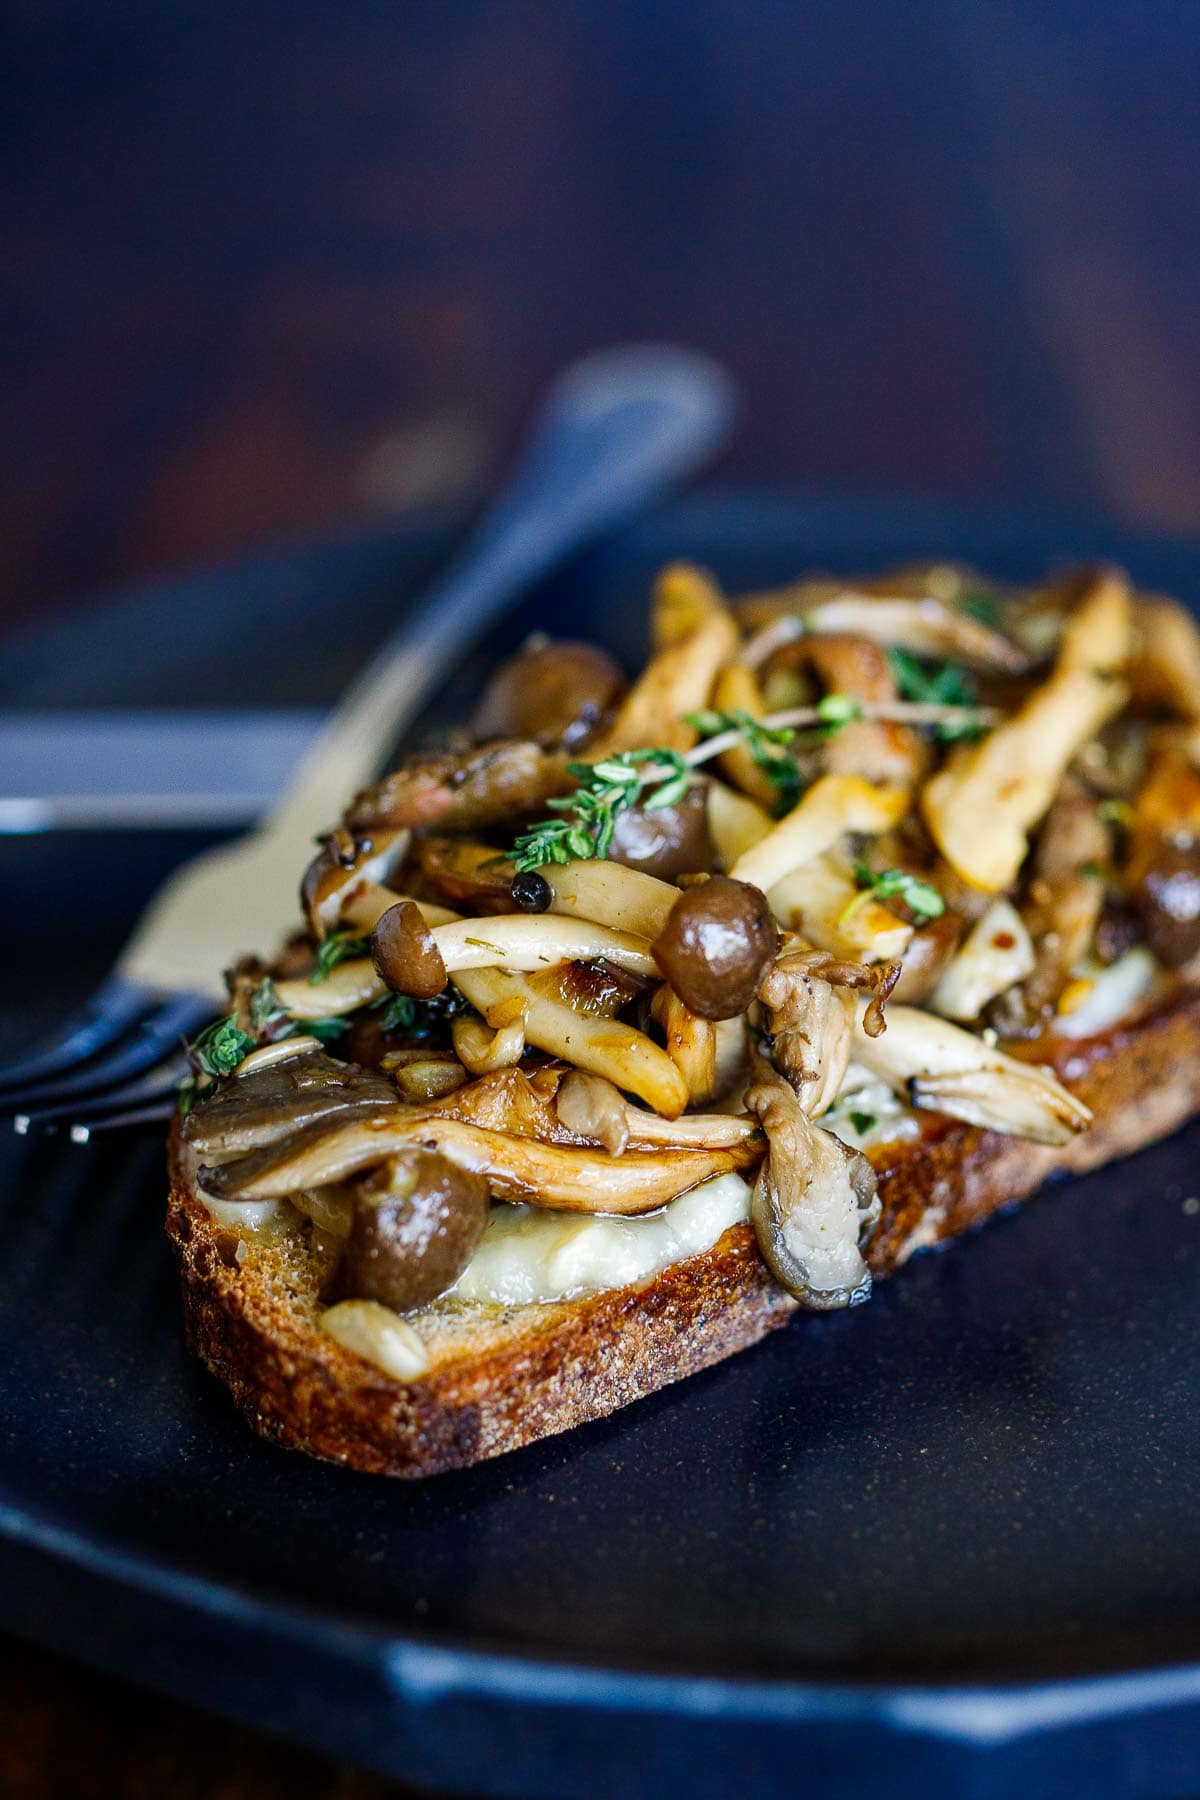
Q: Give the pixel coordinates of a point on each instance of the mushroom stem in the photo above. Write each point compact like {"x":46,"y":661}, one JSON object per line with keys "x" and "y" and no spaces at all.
{"x":832,"y":806}
{"x":527,"y":943}
{"x":604,"y":1046}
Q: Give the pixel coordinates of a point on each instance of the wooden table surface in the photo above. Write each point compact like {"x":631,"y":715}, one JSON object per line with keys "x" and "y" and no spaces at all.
{"x":278,"y":271}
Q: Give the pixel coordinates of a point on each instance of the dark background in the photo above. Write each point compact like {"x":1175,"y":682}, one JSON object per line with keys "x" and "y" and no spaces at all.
{"x":280,"y":269}
{"x":276,"y":269}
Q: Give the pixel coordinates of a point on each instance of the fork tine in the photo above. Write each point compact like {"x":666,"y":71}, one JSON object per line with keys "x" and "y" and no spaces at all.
{"x":144,"y":1090}
{"x":157,"y":1114}
{"x":158,"y":1035}
{"x":107,"y":1016}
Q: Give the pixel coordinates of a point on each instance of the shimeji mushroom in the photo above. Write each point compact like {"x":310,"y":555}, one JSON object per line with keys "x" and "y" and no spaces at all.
{"x":926,"y":626}
{"x":346,"y":884}
{"x":609,"y":894}
{"x":604,"y":1046}
{"x":833,"y":805}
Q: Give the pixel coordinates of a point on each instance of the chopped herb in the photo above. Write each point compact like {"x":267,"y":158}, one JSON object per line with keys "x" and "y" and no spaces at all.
{"x":338,"y":947}
{"x":419,"y":1018}
{"x":1115,"y":812}
{"x":1094,"y":871}
{"x":983,"y":607}
{"x":838,"y":709}
{"x":935,"y":684}
{"x":922,"y":900}
{"x":863,"y":1122}
{"x":766,"y":744}
{"x":590,"y":814}
{"x":222,"y":1045}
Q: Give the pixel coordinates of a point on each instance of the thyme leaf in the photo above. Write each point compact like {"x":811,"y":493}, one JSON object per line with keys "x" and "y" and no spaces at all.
{"x":338,"y":947}
{"x":922,"y":900}
{"x":935,"y":684}
{"x":589,"y":815}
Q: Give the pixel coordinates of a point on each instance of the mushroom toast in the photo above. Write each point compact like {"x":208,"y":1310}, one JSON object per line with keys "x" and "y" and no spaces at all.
{"x":644,"y":1013}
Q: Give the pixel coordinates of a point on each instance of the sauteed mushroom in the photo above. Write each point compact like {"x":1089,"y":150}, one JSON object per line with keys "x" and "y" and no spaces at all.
{"x":417,"y":1219}
{"x":556,"y":693}
{"x":717,"y":943}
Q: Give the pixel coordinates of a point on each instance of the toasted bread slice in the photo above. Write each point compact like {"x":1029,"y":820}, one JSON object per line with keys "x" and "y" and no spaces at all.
{"x":502,"y":1377}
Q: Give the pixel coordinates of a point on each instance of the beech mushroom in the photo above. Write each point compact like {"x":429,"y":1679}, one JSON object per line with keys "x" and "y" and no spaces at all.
{"x":735,"y":822}
{"x":832,"y":806}
{"x":604,"y":1046}
{"x":346,"y":882}
{"x":718,"y":941}
{"x":557,"y":693}
{"x":524,"y":944}
{"x":417,"y":1219}
{"x":609,"y":894}
{"x":924,"y":625}
{"x":406,"y":954}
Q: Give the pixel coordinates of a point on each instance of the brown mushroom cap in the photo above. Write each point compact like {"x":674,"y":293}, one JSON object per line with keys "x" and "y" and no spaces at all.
{"x":555,"y":693}
{"x":667,"y":842}
{"x":717,"y":945}
{"x":403,"y":951}
{"x":417,"y":1221}
{"x":1167,"y":897}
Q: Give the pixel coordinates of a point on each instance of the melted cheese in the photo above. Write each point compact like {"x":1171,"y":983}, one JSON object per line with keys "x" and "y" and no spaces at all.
{"x":529,"y":1254}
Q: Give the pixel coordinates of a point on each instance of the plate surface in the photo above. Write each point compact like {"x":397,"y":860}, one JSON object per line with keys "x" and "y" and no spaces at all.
{"x":948,"y":1542}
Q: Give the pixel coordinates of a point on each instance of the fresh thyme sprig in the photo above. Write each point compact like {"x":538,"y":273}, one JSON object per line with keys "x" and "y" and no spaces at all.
{"x":936,"y":684}
{"x":221,"y":1046}
{"x":337,"y":948}
{"x":606,"y":789}
{"x":767,"y":744}
{"x":921,"y":898}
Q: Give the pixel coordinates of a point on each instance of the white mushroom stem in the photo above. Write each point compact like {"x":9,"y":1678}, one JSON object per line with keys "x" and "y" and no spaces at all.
{"x":981,"y":807}
{"x":347,"y":987}
{"x":924,"y":625}
{"x":691,"y":1044}
{"x":528,"y":942}
{"x":482,"y":1051}
{"x":592,"y":1107}
{"x":832,"y":806}
{"x":368,"y":903}
{"x":610,"y":894}
{"x":604,"y":1046}
{"x":937,"y":1065}
{"x":997,"y":953}
{"x":735,"y":822}
{"x":1166,"y":655}
{"x":822,"y":903}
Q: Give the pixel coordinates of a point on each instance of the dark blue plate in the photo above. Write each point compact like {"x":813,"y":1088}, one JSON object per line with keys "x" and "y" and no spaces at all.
{"x":947,"y":1543}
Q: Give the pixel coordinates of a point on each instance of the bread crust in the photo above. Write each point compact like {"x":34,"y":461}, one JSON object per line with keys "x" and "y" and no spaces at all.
{"x":533,"y":1371}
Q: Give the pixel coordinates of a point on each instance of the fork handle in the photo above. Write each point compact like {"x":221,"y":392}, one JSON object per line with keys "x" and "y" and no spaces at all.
{"x":616,"y":429}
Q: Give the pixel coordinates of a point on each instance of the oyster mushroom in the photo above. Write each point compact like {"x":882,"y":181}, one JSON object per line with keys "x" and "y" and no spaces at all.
{"x":934,"y":1064}
{"x":982,"y":805}
{"x":463,"y":791}
{"x":253,"y":1110}
{"x":814,"y":1204}
{"x":516,"y":1168}
{"x":557,"y":693}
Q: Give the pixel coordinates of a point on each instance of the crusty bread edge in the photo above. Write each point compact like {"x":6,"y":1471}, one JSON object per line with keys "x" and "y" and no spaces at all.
{"x":579,"y":1361}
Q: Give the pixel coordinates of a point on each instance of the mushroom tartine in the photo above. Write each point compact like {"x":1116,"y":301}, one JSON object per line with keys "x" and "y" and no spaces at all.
{"x":648,"y":1010}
